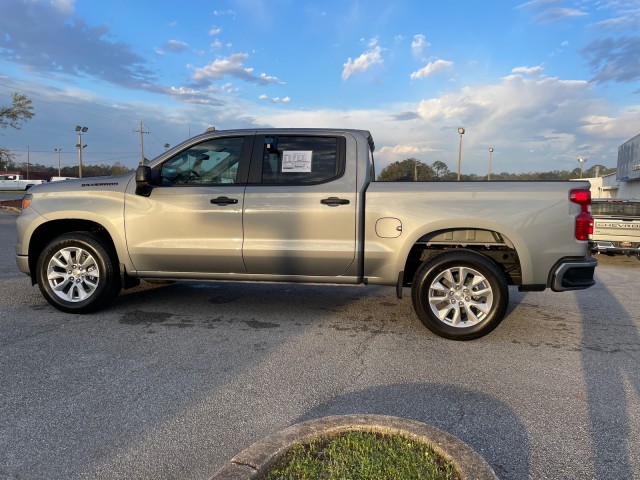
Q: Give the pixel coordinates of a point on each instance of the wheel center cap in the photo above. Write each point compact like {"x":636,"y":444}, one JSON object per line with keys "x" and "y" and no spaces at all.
{"x":77,"y":272}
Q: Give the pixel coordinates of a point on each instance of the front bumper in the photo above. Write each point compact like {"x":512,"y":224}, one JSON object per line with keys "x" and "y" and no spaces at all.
{"x":23,"y":264}
{"x":573,"y":274}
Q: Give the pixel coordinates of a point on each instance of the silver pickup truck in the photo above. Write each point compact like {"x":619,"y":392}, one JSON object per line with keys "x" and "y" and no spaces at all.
{"x":301,"y":205}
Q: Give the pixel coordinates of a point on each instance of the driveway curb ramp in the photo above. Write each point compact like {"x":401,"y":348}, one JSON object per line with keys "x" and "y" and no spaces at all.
{"x":255,"y":461}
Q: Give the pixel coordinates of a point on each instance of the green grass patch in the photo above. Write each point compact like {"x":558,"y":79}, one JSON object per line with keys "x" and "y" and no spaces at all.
{"x":362,"y":455}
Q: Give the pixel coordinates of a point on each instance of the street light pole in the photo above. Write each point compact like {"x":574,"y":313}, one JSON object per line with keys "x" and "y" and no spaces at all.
{"x":581,"y":160}
{"x":80,"y":130}
{"x":58,"y":150}
{"x":490,"y":155}
{"x":461,"y":132}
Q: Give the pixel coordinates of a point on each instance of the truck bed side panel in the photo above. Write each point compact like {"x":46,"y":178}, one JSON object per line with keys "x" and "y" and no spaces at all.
{"x":536,"y":217}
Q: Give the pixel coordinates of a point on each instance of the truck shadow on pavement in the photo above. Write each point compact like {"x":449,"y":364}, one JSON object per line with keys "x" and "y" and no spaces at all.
{"x":489,"y":426}
{"x":611,"y":368}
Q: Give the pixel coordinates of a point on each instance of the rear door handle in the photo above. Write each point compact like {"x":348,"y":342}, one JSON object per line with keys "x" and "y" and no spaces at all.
{"x":224,"y":201}
{"x":334,"y":201}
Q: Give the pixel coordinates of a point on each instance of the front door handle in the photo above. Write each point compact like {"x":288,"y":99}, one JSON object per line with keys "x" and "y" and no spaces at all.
{"x":334,"y":201}
{"x":224,"y":201}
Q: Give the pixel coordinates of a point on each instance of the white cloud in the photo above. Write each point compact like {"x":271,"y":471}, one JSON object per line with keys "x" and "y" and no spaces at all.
{"x":363,"y":62}
{"x":215,"y":31}
{"x":547,"y":11}
{"x":232,"y":66}
{"x":431,"y":68}
{"x":64,"y":6}
{"x":402,"y":151}
{"x":174,"y":46}
{"x":274,"y":99}
{"x":418,"y":44}
{"x":530,"y":71}
{"x":603,"y":126}
{"x":223,"y":13}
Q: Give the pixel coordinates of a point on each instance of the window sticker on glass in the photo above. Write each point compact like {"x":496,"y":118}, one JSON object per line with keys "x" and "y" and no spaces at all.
{"x":294,"y":161}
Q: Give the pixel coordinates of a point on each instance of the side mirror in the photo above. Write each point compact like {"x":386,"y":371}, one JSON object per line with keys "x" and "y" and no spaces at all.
{"x":143,"y":177}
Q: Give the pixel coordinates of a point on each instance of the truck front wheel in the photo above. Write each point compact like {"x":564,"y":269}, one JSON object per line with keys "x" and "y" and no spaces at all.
{"x":77,"y":274}
{"x":460,"y":295}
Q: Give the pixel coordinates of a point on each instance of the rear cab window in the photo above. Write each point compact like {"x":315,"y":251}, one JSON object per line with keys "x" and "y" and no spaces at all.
{"x":297,"y":159}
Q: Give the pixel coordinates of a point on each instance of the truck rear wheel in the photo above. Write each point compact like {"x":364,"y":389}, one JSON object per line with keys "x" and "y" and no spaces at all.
{"x":77,"y":274}
{"x":460,"y":295}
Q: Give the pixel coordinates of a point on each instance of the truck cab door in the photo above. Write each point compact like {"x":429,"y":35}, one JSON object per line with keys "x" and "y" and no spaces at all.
{"x":190,"y":224}
{"x":299,"y":207}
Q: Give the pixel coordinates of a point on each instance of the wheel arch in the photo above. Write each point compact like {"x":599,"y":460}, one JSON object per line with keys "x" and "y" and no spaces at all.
{"x":503,"y":246}
{"x":46,"y":232}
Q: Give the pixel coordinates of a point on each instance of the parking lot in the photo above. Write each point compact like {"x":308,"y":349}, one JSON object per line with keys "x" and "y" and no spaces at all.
{"x":174,"y":379}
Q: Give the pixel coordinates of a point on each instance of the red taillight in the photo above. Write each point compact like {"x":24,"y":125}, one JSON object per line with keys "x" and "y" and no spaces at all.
{"x":584,"y":222}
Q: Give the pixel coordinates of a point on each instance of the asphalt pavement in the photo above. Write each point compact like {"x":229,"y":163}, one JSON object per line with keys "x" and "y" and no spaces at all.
{"x":173,"y":380}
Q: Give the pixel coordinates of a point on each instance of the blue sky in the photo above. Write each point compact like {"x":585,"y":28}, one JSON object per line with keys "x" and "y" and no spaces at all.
{"x":542,"y":82}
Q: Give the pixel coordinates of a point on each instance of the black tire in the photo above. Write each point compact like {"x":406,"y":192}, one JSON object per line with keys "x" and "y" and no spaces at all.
{"x":452,"y":278}
{"x":76,"y":273}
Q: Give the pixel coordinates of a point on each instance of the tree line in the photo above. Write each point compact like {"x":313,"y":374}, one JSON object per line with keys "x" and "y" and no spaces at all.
{"x":45,"y":172}
{"x":414,"y":170}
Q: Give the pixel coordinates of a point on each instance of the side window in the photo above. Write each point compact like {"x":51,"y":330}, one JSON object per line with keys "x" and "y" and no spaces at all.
{"x":211,"y":162}
{"x":299,"y":160}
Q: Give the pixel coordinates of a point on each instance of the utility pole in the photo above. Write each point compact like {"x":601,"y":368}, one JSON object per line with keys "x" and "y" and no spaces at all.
{"x":80,"y":130}
{"x":58,"y":150}
{"x":460,"y":132}
{"x":141,"y":132}
{"x":28,"y":160}
{"x":490,"y":156}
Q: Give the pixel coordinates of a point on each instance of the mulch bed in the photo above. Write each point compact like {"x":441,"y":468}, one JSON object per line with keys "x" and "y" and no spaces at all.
{"x":11,"y":203}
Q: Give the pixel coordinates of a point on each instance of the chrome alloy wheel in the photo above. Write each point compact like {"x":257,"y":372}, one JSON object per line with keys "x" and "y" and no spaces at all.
{"x":73,"y":274}
{"x":460,"y":297}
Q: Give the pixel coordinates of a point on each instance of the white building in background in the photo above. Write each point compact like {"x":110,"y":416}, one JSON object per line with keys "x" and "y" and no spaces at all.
{"x":625,"y":183}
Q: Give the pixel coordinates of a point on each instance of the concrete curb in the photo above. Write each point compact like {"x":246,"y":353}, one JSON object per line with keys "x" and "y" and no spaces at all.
{"x":254,"y":462}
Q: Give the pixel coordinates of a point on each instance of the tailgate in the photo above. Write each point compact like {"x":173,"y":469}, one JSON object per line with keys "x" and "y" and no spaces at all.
{"x":619,"y":229}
